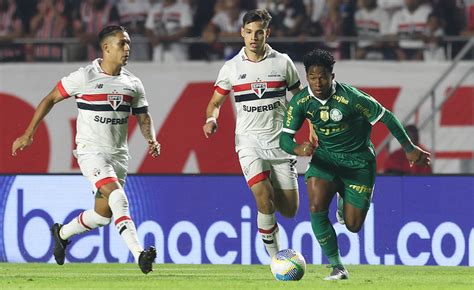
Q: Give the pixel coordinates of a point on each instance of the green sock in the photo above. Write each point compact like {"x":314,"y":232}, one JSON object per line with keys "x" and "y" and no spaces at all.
{"x":326,"y":236}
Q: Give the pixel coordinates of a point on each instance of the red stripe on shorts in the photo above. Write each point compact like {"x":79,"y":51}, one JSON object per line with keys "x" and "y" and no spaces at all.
{"x":105,"y":181}
{"x":122,"y":218}
{"x":259,"y":177}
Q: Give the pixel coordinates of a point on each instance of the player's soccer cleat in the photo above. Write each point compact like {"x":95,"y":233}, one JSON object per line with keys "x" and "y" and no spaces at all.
{"x":338,"y":273}
{"x":340,"y":209}
{"x":59,"y":244}
{"x":146,"y":259}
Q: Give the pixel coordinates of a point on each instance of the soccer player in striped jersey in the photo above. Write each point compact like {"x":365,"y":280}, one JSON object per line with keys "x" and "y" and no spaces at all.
{"x":344,"y":161}
{"x":105,"y":93}
{"x":259,"y":77}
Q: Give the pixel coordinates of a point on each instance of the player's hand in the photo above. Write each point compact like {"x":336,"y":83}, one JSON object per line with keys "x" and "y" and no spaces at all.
{"x":418,"y":157}
{"x":21,"y":143}
{"x":209,"y":128}
{"x":305,"y":149}
{"x":154,"y":148}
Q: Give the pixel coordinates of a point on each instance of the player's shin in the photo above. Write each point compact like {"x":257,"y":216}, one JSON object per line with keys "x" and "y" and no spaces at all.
{"x":86,"y":221}
{"x":118,"y":203}
{"x":326,"y":236}
{"x":268,"y":229}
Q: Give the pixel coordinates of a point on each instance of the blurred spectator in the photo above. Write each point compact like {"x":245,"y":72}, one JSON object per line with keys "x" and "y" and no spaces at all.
{"x":371,"y":22}
{"x":397,"y":162}
{"x":49,"y":22}
{"x":92,"y":17}
{"x":390,"y":6}
{"x":315,"y":10}
{"x":202,"y":16}
{"x":225,"y":23}
{"x":10,"y":29}
{"x":290,"y":14}
{"x":290,"y":20}
{"x":168,"y":21}
{"x":133,"y":14}
{"x":433,"y":38}
{"x":332,"y":27}
{"x":408,"y":25}
{"x":453,"y":19}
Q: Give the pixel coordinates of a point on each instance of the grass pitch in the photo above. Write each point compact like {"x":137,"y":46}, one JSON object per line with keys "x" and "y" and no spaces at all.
{"x":210,"y":277}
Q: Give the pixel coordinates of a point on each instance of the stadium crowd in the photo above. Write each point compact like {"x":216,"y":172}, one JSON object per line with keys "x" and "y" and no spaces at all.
{"x":50,"y":30}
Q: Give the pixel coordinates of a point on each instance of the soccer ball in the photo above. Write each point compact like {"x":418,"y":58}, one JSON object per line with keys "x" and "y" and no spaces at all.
{"x":288,"y":265}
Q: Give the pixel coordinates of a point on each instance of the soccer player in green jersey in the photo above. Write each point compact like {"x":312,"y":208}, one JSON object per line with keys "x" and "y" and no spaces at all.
{"x":344,"y":160}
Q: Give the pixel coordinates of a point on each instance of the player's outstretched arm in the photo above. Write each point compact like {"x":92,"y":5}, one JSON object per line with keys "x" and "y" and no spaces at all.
{"x":212,"y":113}
{"x":148,"y":131}
{"x":41,"y":111}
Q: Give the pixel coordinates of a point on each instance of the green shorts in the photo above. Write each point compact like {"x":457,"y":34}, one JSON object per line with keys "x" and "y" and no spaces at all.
{"x":355,"y":171}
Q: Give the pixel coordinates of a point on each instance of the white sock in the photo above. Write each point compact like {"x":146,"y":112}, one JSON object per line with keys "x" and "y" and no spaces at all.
{"x":118,"y":203}
{"x":268,"y":229}
{"x":86,"y":221}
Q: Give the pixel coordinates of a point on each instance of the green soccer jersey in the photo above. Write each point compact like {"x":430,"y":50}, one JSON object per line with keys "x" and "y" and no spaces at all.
{"x":342,"y":122}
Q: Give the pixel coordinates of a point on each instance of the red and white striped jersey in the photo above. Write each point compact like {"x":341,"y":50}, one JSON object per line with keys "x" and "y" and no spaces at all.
{"x":407,"y":26}
{"x":260,"y":96}
{"x":104,"y":103}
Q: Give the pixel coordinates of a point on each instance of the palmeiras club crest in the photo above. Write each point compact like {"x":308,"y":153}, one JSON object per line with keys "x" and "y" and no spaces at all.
{"x":115,"y":100}
{"x":259,"y":88}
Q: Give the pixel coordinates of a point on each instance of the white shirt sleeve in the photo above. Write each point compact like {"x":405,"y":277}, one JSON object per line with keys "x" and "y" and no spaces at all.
{"x":292,"y":77}
{"x":223,"y":79}
{"x":73,"y":84}
{"x":139,"y":102}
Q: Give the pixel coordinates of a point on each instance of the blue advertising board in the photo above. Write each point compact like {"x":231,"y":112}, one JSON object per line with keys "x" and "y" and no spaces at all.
{"x":194,"y":219}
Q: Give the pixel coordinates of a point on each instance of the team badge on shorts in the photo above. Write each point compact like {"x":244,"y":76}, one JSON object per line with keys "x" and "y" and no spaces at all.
{"x":115,"y":100}
{"x":259,"y":88}
{"x":335,"y":115}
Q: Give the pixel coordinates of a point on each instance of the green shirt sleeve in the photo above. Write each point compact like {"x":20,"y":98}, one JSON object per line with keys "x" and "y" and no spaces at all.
{"x":294,"y":119}
{"x":367,"y":106}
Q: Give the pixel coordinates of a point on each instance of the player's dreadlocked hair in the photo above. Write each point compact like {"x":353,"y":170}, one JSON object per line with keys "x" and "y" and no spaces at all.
{"x":319,"y":57}
{"x":109,"y":31}
{"x":257,"y":15}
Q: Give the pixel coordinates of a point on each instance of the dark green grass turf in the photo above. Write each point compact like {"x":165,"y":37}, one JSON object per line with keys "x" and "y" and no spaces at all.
{"x":170,"y":276}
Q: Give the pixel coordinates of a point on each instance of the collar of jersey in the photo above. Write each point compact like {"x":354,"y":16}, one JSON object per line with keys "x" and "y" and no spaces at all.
{"x":268,"y":51}
{"x":333,"y":91}
{"x":96,"y":63}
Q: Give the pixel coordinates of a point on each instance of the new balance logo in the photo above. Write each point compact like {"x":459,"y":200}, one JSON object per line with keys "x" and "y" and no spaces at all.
{"x":99,"y":86}
{"x":242,"y":76}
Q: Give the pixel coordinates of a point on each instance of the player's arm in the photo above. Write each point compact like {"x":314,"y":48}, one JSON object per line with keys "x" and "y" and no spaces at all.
{"x":41,"y":111}
{"x":312,"y":135}
{"x":148,"y":131}
{"x":212,"y":113}
{"x":294,"y":119}
{"x":414,"y":154}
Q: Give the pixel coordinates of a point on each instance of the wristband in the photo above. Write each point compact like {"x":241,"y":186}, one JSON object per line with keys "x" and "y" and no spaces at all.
{"x":211,"y":119}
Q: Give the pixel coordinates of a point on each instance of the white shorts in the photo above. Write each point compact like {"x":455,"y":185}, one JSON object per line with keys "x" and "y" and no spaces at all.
{"x":102,"y":168}
{"x":258,"y":164}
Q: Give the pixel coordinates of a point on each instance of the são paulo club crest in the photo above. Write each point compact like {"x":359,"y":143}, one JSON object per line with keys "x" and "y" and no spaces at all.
{"x":115,"y":100}
{"x":259,"y":88}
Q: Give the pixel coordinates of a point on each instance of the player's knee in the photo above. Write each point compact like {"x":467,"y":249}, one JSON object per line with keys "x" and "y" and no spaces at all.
{"x":101,"y":220}
{"x":289,"y":212}
{"x":118,"y":197}
{"x":353,"y":226}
